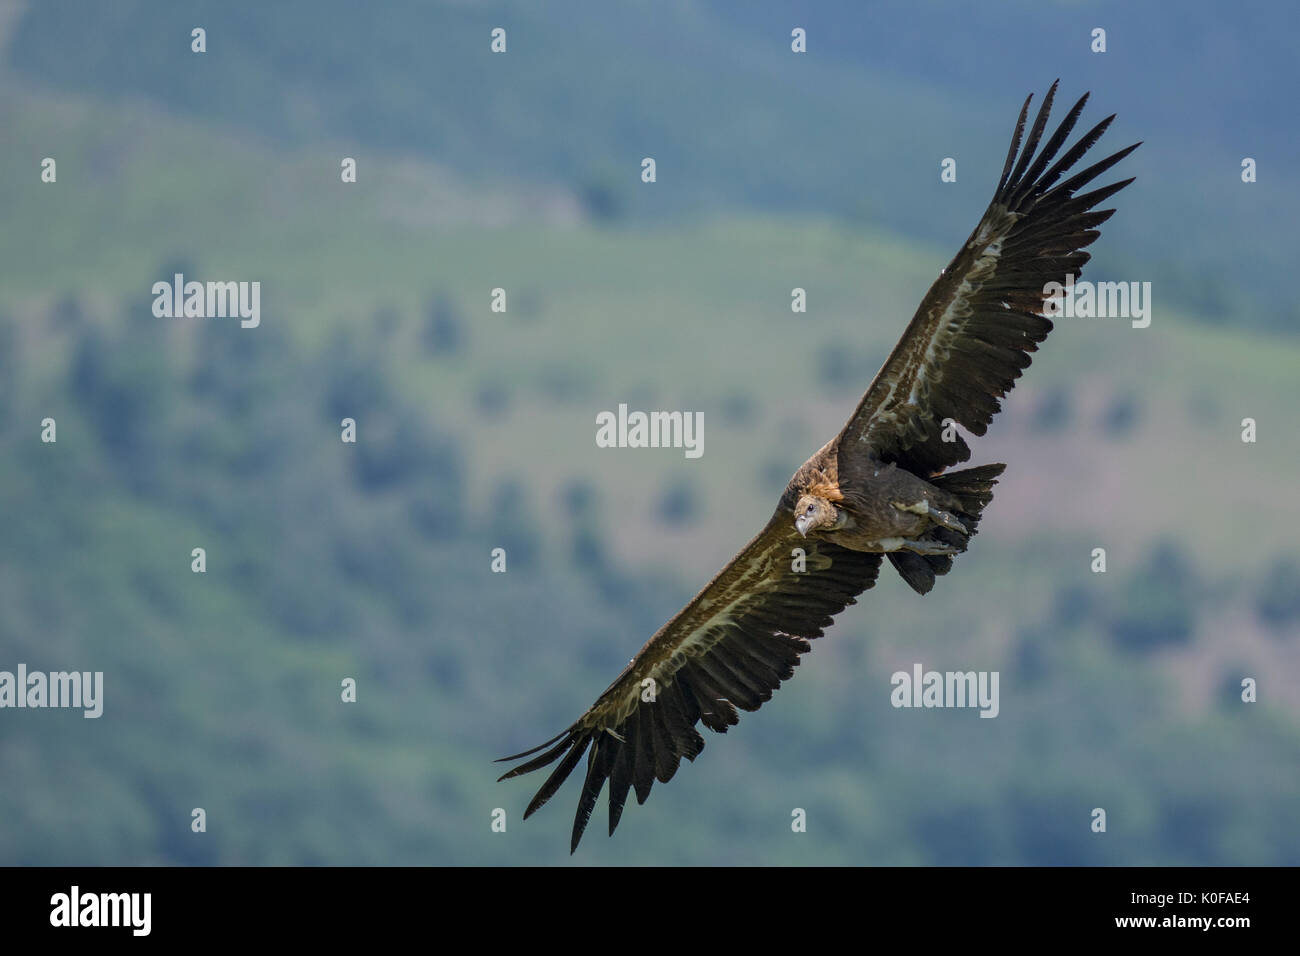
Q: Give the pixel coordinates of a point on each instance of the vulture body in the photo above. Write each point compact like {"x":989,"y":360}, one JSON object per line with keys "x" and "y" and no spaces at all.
{"x":878,"y":489}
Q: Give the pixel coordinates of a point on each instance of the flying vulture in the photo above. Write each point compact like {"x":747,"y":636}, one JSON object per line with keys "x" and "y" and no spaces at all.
{"x":879,"y":488}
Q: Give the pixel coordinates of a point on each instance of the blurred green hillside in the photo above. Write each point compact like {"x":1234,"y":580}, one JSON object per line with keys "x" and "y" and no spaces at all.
{"x":854,"y":130}
{"x":476,"y":430}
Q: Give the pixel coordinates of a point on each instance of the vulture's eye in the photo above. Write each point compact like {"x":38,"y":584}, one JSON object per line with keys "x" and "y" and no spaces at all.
{"x":811,"y":509}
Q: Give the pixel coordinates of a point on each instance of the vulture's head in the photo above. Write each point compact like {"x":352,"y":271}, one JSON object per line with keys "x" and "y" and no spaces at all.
{"x":814,"y":513}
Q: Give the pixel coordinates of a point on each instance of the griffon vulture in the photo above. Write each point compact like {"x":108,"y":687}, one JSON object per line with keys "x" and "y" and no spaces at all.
{"x":879,"y":488}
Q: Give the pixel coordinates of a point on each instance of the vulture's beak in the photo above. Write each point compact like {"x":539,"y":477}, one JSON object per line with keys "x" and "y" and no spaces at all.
{"x":801,"y":525}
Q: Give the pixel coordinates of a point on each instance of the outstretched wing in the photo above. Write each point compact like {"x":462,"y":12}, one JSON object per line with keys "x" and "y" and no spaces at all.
{"x":971,"y":337}
{"x":729,"y":647}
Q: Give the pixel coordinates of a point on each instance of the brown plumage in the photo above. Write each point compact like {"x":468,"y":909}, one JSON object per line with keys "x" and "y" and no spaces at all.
{"x":876,"y":489}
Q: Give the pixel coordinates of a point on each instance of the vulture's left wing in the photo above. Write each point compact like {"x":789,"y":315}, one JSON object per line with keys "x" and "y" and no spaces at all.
{"x":730,"y":647}
{"x":972,"y":335}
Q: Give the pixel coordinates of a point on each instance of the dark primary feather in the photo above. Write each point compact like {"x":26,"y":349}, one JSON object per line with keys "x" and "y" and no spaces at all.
{"x":972,"y":334}
{"x":747,"y":655}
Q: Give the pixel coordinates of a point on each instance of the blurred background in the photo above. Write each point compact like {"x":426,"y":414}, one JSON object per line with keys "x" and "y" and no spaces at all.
{"x":476,"y":429}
